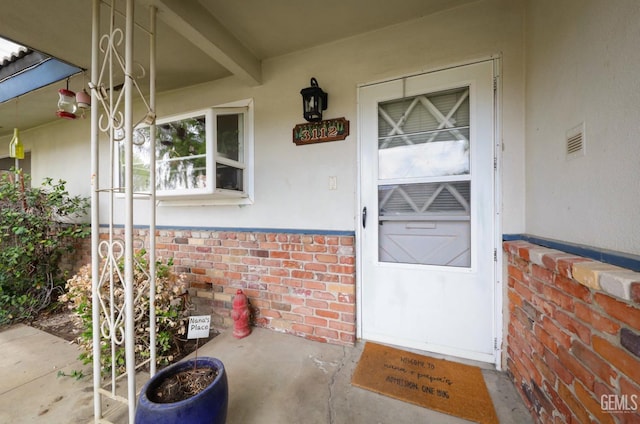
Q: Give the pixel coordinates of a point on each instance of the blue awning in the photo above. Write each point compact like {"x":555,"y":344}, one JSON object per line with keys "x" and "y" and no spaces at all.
{"x":31,"y":71}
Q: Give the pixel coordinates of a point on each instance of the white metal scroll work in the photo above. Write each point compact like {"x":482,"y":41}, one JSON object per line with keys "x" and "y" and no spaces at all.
{"x":116,"y":299}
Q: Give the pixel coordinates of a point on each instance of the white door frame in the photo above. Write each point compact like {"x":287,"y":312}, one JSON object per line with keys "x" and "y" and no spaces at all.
{"x":498,"y":329}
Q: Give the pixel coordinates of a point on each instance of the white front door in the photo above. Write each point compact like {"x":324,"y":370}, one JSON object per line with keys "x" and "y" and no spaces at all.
{"x":427,"y":259}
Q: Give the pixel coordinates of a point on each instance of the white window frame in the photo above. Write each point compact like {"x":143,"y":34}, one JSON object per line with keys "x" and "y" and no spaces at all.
{"x":211,"y":195}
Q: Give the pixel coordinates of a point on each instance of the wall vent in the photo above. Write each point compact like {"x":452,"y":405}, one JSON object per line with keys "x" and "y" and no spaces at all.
{"x":575,"y":142}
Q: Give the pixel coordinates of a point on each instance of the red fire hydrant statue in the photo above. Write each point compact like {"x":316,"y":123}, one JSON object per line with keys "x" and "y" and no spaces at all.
{"x":240,"y":315}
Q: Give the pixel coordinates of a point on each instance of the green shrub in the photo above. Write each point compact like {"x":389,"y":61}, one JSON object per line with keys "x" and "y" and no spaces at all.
{"x":37,"y":227}
{"x":170,"y":306}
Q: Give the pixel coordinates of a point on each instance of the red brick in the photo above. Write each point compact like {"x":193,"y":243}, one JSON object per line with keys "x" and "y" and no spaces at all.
{"x":304,"y":257}
{"x":630,"y":418}
{"x":315,"y":321}
{"x":523,"y":251}
{"x":323,"y":295}
{"x":342,"y":326}
{"x":557,"y":402}
{"x":316,"y":339}
{"x":346,"y":298}
{"x":272,"y":279}
{"x":280,"y":306}
{"x":542,"y":274}
{"x":565,"y":265}
{"x":314,"y":285}
{"x":347,"y":279}
{"x":347,"y":241}
{"x":600,"y":389}
{"x":635,"y":292}
{"x":265,"y":245}
{"x":303,"y":310}
{"x":629,"y":388}
{"x":327,"y":314}
{"x":306,"y":329}
{"x":315,"y":248}
{"x":333,"y":240}
{"x":594,"y":363}
{"x":291,"y":282}
{"x":279,"y":272}
{"x":544,"y":369}
{"x":272,"y":263}
{"x":532,"y":372}
{"x":515,"y":273}
{"x":279,"y":255}
{"x":330,"y":259}
{"x":275,"y":299}
{"x":348,"y":338}
{"x":586,"y":397}
{"x":346,"y":317}
{"x":325,"y":332}
{"x":546,"y":339}
{"x":303,"y":275}
{"x":315,"y":267}
{"x":559,"y":298}
{"x":576,"y":368}
{"x":563,"y":339}
{"x":573,"y":404}
{"x":237,"y":252}
{"x":293,"y":300}
{"x":294,"y":318}
{"x":596,"y":320}
{"x":573,"y":288}
{"x":522,"y":290}
{"x":619,"y":310}
{"x":279,"y":289}
{"x":557,"y":367}
{"x":269,"y":313}
{"x":318,"y":304}
{"x":342,"y":307}
{"x":574,"y":326}
{"x":342,"y":269}
{"x":620,"y":359}
{"x":514,"y":299}
{"x":546,"y":307}
{"x":328,"y":278}
{"x":347,"y":260}
{"x":292,"y":264}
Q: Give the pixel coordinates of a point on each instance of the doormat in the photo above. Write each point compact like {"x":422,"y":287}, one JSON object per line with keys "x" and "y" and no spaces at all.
{"x":444,"y":386}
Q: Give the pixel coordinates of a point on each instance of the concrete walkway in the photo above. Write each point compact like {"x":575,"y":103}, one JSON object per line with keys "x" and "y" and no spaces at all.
{"x":273,"y":379}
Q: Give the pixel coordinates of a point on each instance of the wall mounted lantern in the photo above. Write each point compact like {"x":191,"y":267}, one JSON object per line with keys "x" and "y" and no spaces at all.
{"x":314,"y":101}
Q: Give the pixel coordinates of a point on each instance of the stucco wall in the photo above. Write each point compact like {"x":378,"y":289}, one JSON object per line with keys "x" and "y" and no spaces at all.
{"x":291,"y":185}
{"x":582,"y":60}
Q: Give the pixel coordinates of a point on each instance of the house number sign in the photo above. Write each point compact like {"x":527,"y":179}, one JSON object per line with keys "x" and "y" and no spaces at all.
{"x":320,"y":132}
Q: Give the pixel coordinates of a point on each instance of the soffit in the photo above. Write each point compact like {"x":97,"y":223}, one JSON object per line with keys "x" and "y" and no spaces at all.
{"x":245,"y":33}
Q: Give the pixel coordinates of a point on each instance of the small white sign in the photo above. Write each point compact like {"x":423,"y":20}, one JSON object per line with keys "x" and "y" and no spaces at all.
{"x":199,"y":327}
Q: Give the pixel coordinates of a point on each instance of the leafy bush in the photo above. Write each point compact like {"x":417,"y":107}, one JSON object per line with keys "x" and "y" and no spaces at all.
{"x":37,"y":227}
{"x":170,"y":306}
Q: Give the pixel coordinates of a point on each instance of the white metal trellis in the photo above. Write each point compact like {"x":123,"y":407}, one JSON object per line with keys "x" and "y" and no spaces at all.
{"x":112,"y":114}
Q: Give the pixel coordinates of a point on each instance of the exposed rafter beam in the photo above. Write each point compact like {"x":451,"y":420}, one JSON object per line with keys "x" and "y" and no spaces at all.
{"x":196,"y":24}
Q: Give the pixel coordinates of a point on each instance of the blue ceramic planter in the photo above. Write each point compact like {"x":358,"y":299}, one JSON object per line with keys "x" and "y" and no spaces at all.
{"x":207,"y":407}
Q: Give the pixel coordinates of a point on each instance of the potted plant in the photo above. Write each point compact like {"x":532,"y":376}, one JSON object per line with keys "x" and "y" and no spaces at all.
{"x":194,"y":391}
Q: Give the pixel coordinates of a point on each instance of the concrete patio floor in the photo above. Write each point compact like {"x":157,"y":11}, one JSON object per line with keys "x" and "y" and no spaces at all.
{"x":273,"y":379}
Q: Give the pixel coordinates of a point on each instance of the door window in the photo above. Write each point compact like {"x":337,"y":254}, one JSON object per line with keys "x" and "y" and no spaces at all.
{"x":424,"y":179}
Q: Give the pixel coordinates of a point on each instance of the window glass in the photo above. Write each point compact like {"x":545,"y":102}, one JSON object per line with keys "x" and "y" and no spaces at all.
{"x":230,"y":136}
{"x":196,"y":154}
{"x":181,"y":160}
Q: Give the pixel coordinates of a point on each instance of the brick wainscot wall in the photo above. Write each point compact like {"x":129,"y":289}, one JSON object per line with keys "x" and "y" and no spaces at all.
{"x":573,"y":342}
{"x":302,"y":283}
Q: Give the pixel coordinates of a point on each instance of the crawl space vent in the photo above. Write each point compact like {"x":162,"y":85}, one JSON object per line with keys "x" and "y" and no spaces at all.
{"x":575,"y":142}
